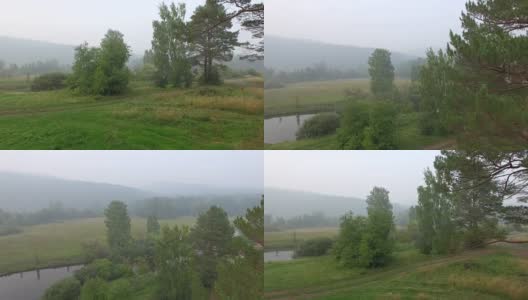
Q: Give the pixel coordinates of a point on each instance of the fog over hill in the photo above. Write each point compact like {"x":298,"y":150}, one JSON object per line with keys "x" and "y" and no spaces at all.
{"x":291,"y":203}
{"x":23,"y":51}
{"x":27,"y":192}
{"x":288,"y":54}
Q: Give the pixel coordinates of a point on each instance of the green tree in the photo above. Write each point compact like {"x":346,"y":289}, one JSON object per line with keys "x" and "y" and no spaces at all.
{"x":101,"y":70}
{"x":174,"y":264}
{"x":171,"y":47}
{"x":211,"y":237}
{"x":381,"y":73}
{"x":436,"y":231}
{"x":212,"y":39}
{"x":112,"y":75}
{"x":240,"y":276}
{"x":117,"y":226}
{"x":84,"y":66}
{"x":368,"y":242}
{"x":368,"y":126}
{"x":436,"y":94}
{"x":153,"y":226}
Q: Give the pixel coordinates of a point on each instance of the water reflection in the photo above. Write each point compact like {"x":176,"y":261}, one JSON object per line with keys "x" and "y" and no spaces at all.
{"x":32,"y":285}
{"x":283,"y":129}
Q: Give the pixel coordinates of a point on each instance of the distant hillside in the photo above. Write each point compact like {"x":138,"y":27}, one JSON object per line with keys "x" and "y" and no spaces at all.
{"x":23,"y":51}
{"x":290,"y":54}
{"x":290,"y":203}
{"x":23,"y":192}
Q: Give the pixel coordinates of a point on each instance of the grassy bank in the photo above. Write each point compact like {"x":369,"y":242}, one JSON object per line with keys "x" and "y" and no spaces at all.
{"x":146,"y":117}
{"x":495,"y":273}
{"x":60,"y":244}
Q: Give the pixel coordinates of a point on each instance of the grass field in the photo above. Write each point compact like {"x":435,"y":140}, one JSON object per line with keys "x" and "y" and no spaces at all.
{"x":305,"y":94}
{"x":288,"y":239}
{"x":146,"y":117}
{"x":59,"y":244}
{"x":493,"y":273}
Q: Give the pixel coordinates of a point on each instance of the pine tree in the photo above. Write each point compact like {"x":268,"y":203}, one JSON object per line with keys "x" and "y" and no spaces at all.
{"x":212,"y":39}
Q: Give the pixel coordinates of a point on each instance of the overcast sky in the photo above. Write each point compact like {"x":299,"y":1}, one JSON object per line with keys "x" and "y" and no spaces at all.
{"x":407,"y":25}
{"x":74,"y":21}
{"x":237,"y":169}
{"x":349,"y":173}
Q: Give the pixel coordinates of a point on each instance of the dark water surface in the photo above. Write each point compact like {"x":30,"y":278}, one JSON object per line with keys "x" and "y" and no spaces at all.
{"x":278,"y":256}
{"x":31,"y":285}
{"x":283,"y":129}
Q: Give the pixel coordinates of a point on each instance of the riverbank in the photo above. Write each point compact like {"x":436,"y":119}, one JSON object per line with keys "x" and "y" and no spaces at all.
{"x":61,"y":244}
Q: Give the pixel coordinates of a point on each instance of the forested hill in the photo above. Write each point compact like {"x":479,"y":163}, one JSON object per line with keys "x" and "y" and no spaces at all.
{"x":290,"y":203}
{"x":24,"y":192}
{"x":290,"y":54}
{"x":23,"y":51}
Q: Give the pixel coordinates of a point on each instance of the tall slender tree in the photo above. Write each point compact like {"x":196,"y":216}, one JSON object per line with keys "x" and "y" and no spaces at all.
{"x":381,"y":73}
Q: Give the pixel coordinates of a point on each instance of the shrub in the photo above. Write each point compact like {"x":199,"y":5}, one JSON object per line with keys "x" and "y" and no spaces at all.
{"x":368,"y":126}
{"x":93,"y":250}
{"x":319,"y":125}
{"x":104,"y":269}
{"x":49,"y":82}
{"x":314,"y":247}
{"x":93,"y":289}
{"x":66,"y":289}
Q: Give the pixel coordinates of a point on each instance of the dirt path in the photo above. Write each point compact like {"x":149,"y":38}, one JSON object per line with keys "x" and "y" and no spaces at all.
{"x":350,"y":285}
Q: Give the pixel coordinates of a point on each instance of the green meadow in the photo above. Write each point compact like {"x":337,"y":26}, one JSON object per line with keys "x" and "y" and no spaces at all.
{"x":145,"y":117}
{"x":496,"y":272}
{"x":60,"y":244}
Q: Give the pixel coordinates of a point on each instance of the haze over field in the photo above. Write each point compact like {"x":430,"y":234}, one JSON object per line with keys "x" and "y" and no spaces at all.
{"x":349,"y":173}
{"x":32,"y":180}
{"x":406,"y":26}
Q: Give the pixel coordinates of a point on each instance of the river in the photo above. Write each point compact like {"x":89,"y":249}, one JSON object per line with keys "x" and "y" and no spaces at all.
{"x":272,"y":256}
{"x":31,"y":285}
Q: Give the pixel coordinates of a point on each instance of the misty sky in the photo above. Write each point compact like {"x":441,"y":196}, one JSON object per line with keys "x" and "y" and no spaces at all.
{"x":72,"y":22}
{"x":236,"y":169}
{"x":408,"y":25}
{"x":349,"y":173}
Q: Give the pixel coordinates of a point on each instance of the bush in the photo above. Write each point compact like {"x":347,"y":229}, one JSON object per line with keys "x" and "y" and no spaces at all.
{"x":66,"y":289}
{"x":319,"y":125}
{"x":104,"y":269}
{"x":49,"y":82}
{"x":93,"y":250}
{"x":368,"y":126}
{"x":314,"y":247}
{"x":94,"y":289}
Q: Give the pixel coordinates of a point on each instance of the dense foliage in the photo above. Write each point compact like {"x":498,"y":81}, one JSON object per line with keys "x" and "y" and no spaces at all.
{"x":314,"y":247}
{"x":103,"y":70}
{"x":118,"y":227}
{"x":48,"y":82}
{"x":319,"y":125}
{"x":367,"y":241}
{"x":368,"y":126}
{"x":381,"y":73}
